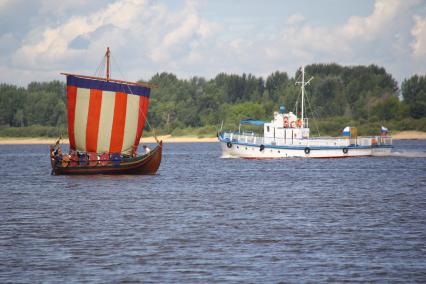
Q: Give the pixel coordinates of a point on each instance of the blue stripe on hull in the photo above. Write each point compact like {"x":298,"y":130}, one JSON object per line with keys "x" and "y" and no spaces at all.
{"x":303,"y":147}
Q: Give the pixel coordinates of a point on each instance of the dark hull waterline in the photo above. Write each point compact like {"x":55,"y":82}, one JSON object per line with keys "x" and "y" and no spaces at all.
{"x":143,"y":165}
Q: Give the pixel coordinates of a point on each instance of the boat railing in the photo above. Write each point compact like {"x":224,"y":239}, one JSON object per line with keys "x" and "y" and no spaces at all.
{"x":374,"y":140}
{"x":252,"y":138}
{"x":364,"y":141}
{"x":384,"y":140}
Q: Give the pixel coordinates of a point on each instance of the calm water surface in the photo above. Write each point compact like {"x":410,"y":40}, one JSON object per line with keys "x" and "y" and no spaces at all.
{"x":203,"y":219}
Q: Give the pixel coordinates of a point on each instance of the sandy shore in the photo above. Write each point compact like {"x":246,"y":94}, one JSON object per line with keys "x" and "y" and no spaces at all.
{"x":403,"y":135}
{"x":165,"y":138}
{"x":408,"y":135}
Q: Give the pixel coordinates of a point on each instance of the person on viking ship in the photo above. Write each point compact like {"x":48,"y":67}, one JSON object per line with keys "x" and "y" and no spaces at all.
{"x":146,"y":149}
{"x":58,"y":155}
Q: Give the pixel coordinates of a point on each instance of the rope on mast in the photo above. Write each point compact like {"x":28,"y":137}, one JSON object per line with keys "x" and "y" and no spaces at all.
{"x":130,"y":91}
{"x":107,"y":57}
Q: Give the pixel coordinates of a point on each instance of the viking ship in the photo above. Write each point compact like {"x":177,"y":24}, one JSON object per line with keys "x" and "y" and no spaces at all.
{"x":106,"y":118}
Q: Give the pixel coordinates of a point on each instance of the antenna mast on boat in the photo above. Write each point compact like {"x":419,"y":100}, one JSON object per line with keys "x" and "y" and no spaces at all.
{"x":303,"y":84}
{"x":107,"y":54}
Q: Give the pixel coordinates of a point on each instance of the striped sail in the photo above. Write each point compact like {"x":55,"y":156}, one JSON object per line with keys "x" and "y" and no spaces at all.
{"x":105,"y":116}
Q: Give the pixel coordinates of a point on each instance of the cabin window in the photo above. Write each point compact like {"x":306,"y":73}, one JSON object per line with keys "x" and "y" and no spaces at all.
{"x":267,"y":128}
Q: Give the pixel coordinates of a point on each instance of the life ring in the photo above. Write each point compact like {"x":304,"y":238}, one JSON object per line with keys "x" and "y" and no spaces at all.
{"x":307,"y":150}
{"x":261,"y":148}
{"x":345,"y":150}
{"x":229,"y":144}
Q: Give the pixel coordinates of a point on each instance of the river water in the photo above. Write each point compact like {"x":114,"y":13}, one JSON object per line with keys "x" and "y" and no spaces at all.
{"x":203,"y":219}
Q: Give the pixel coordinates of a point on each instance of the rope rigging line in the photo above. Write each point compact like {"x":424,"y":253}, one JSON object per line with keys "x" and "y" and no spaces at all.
{"x":130,"y":91}
{"x":297,"y":102}
{"x":101,"y":68}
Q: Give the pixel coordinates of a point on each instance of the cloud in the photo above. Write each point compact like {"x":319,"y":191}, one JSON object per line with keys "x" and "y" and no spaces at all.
{"x":51,"y":45}
{"x":380,"y":38}
{"x":39,"y":39}
{"x":295,"y":19}
{"x":136,"y":30}
{"x":419,"y":34}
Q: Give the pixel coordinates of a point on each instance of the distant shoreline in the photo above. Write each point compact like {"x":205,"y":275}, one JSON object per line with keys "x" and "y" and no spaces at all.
{"x":47,"y":140}
{"x":403,"y":135}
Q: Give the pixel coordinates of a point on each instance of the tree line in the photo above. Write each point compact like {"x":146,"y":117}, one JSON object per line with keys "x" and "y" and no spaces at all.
{"x":357,"y":94}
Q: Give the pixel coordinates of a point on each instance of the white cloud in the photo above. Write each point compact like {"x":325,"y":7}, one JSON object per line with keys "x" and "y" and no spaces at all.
{"x":419,"y":34}
{"x":295,"y":19}
{"x":50,"y":46}
{"x":136,"y":30}
{"x":148,"y":37}
{"x":380,"y":38}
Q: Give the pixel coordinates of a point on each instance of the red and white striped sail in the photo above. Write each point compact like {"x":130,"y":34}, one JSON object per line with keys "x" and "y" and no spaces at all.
{"x":105,"y":116}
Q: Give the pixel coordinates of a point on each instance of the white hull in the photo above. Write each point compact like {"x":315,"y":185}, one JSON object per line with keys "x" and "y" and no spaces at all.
{"x":276,"y":152}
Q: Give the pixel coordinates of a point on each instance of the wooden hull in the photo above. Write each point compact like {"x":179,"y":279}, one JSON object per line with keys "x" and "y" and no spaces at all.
{"x":143,"y":165}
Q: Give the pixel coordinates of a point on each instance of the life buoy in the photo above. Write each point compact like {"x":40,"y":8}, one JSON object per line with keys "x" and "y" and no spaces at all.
{"x":261,"y":148}
{"x":307,"y":150}
{"x":229,"y":144}
{"x":345,"y":150}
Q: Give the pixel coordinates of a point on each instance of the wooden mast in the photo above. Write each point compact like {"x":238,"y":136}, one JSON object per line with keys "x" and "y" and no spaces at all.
{"x":108,"y":77}
{"x":107,"y":69}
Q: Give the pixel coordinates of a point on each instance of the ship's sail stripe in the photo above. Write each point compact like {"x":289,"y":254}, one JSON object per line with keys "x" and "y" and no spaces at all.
{"x":71,"y":96}
{"x":107,"y":86}
{"x":105,"y":121}
{"x":80,"y":120}
{"x":118,"y":123}
{"x":93,"y":120}
{"x":131,"y":125}
{"x":105,"y":116}
{"x":143,"y":110}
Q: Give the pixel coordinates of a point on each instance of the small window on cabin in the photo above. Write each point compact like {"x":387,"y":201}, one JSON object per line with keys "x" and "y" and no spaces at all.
{"x":267,"y":128}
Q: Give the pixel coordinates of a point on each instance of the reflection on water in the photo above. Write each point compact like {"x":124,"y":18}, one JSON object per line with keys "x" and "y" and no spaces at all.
{"x":203,"y":219}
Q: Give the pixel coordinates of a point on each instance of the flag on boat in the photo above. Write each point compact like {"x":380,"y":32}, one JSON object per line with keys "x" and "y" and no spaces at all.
{"x":105,"y":116}
{"x":346,"y":132}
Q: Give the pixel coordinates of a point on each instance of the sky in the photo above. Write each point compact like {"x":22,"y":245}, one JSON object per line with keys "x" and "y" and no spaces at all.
{"x":39,"y":39}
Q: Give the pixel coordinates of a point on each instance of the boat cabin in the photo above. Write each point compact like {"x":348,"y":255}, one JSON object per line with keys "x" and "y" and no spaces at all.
{"x":285,"y":127}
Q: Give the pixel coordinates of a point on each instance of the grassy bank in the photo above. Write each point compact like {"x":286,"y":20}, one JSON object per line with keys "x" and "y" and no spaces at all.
{"x":329,"y":127}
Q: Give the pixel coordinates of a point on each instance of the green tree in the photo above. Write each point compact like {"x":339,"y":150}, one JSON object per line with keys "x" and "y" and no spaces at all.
{"x":414,"y":95}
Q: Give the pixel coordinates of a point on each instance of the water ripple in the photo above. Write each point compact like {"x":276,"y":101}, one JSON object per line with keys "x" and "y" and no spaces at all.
{"x":203,"y":219}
